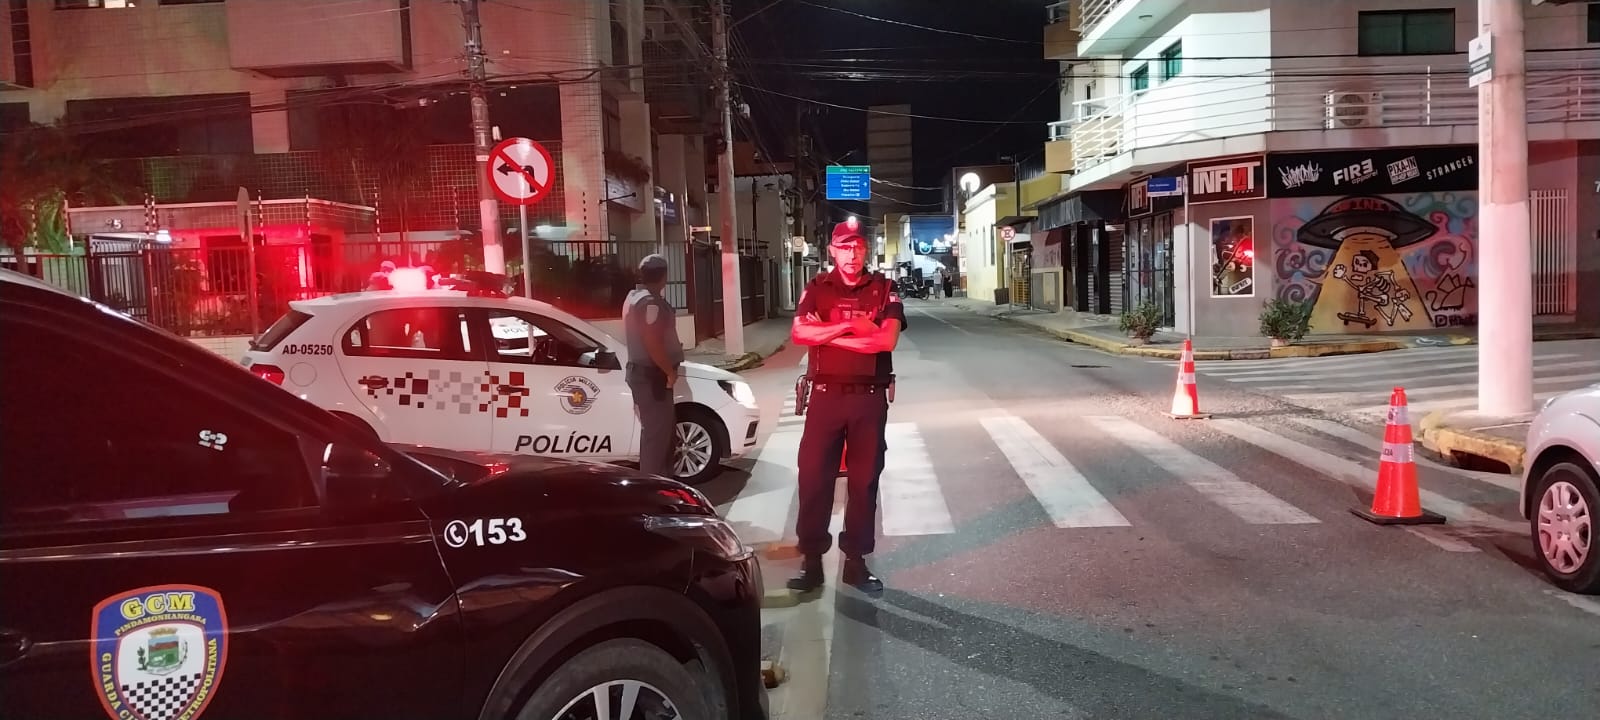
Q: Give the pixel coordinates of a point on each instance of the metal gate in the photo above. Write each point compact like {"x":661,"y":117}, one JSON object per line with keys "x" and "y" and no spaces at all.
{"x":1555,"y":254}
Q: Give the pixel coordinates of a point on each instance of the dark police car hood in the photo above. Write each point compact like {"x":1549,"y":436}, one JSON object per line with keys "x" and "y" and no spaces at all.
{"x":515,"y":477}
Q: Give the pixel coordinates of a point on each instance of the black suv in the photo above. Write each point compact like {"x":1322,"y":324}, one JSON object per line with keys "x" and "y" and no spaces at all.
{"x":179,"y":539}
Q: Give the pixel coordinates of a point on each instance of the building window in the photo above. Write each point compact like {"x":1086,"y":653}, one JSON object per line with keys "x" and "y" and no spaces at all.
{"x":1172,"y":61}
{"x":1594,"y":22}
{"x":1406,"y":32}
{"x":168,"y":125}
{"x":21,"y":41}
{"x":87,"y":4}
{"x":611,"y":122}
{"x":1139,"y":80}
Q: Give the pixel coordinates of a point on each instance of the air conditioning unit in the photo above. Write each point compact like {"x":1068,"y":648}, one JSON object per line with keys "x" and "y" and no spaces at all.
{"x":1352,"y":110}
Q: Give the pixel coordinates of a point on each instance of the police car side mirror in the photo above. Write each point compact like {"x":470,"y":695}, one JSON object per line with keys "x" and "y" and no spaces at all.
{"x":354,"y":475}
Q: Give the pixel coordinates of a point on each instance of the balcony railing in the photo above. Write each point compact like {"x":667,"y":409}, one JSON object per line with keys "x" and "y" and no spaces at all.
{"x":1091,"y":12}
{"x":1193,"y":109}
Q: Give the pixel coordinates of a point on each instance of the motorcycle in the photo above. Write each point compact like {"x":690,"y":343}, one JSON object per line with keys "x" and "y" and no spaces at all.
{"x":907,"y":286}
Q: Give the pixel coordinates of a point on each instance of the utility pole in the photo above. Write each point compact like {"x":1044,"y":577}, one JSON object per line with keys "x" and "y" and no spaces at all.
{"x":732,"y":299}
{"x":1505,"y":267}
{"x":494,"y":254}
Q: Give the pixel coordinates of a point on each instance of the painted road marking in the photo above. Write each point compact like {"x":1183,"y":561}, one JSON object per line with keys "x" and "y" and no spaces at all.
{"x":1067,"y":496}
{"x":1249,"y":502}
{"x":761,"y":512}
{"x":1356,"y":474}
{"x":912,"y":501}
{"x":1350,"y":434}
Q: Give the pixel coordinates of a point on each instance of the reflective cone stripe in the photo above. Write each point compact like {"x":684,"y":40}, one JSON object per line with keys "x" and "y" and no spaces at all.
{"x":1396,"y":500}
{"x":1186,"y":397}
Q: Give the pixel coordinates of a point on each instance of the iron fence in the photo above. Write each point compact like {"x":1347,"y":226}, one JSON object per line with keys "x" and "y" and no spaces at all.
{"x":206,"y":291}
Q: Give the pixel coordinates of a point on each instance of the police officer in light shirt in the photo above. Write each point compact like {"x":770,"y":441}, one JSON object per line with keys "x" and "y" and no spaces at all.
{"x":851,"y":318}
{"x":654,"y":357}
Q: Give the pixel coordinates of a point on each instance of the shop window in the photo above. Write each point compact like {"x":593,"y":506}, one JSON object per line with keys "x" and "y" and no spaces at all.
{"x":1139,"y":80}
{"x":1172,"y":61}
{"x":1594,"y":22}
{"x":1406,"y":32}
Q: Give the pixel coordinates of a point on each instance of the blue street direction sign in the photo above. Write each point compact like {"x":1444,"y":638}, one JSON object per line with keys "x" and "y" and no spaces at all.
{"x":1164,"y":186}
{"x":849,"y":182}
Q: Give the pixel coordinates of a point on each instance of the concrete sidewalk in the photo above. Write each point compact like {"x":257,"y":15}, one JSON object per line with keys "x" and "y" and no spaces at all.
{"x":762,"y":339}
{"x":1100,"y":331}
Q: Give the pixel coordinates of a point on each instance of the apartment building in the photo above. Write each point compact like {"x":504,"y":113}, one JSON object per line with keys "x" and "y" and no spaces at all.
{"x":1221,"y":153}
{"x":331,"y":101}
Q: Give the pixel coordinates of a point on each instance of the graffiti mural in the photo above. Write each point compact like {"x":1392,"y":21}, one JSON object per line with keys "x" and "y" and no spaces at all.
{"x":1374,"y":263}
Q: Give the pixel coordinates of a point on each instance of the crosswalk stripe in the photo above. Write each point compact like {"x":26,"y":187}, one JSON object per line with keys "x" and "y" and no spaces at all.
{"x":1465,"y":403}
{"x":1355,"y":473}
{"x":761,"y":512}
{"x":1375,"y":443}
{"x":1067,"y":496}
{"x":1251,"y":503}
{"x":909,"y":488}
{"x":1365,"y":361}
{"x":1427,"y":391}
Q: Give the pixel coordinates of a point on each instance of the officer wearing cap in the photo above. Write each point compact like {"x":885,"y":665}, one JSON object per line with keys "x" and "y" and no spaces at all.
{"x":851,"y":318}
{"x":654,"y":356}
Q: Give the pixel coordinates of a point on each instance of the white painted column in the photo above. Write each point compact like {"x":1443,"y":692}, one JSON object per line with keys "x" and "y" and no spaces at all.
{"x":1505,"y":282}
{"x":1182,"y":276}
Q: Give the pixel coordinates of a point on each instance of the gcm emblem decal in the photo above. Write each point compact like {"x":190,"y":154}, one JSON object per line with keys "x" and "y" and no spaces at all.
{"x":159,"y":651}
{"x":577,"y":394}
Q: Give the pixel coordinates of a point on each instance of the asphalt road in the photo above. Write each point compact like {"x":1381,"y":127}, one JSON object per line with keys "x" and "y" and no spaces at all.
{"x":1055,"y":547}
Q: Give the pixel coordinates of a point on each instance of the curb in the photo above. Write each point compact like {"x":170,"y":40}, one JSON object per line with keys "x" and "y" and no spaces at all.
{"x":1449,"y":441}
{"x":749,"y":360}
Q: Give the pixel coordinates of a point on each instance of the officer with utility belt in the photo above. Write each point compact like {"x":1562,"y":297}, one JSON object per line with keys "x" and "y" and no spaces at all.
{"x":654,"y":359}
{"x":851,"y":319}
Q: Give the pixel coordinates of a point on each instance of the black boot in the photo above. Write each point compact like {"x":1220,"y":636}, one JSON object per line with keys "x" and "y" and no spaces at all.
{"x":859,"y":577}
{"x":810,"y":577}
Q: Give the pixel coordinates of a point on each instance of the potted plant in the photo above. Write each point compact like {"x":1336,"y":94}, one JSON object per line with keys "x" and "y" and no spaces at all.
{"x":1140,"y":322}
{"x":1285,"y":321}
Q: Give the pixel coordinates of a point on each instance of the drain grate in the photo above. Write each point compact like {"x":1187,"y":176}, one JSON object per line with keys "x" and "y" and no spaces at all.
{"x":1088,"y":366}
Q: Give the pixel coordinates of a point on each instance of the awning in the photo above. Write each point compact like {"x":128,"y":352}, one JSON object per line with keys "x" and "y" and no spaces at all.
{"x":1015,"y":220}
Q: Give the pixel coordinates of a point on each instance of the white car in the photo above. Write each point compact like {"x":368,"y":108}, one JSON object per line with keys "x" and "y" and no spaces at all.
{"x":1561,"y":489}
{"x":476,"y":370}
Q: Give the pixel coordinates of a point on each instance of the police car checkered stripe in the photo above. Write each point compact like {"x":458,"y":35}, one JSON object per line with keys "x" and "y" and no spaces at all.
{"x":440,"y":390}
{"x":164,"y":698}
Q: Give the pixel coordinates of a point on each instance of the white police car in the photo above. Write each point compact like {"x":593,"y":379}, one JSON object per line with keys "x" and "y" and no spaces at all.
{"x":476,"y":370}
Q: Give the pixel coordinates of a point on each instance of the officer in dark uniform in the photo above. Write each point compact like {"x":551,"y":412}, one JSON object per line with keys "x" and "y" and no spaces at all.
{"x":851,"y":318}
{"x":654,"y":357}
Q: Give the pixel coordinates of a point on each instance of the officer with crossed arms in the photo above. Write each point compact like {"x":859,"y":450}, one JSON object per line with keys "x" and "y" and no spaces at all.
{"x":852,"y":320}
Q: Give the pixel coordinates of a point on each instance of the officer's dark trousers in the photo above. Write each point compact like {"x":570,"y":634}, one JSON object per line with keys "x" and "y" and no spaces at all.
{"x":837,"y":414}
{"x":658,"y":424}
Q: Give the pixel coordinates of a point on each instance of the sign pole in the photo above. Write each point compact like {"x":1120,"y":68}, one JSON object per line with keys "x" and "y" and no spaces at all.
{"x":250,"y":257}
{"x":527,"y":252}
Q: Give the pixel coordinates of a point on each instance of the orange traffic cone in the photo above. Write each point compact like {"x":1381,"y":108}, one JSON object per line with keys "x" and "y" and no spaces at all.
{"x":1396,"y":501}
{"x":1186,"y":398}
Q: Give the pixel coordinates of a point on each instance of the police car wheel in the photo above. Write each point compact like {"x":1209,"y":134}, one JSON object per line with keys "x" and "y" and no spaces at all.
{"x":622,"y":679}
{"x":701,"y":445}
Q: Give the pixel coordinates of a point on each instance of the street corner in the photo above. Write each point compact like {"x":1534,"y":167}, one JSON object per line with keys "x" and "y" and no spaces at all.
{"x":1456,"y":437}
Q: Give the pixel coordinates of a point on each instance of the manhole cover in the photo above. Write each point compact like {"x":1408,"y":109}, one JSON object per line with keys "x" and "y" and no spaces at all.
{"x":1088,"y":366}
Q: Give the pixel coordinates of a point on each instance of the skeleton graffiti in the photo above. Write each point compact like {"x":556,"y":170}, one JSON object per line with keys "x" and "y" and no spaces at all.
{"x":1351,"y":259}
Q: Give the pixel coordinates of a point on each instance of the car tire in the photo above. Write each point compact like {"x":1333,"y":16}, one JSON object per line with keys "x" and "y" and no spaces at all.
{"x":1570,"y":486}
{"x":658,"y":677}
{"x":701,"y":428}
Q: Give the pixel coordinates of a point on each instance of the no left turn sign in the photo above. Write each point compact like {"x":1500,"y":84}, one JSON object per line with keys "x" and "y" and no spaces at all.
{"x":521,"y":171}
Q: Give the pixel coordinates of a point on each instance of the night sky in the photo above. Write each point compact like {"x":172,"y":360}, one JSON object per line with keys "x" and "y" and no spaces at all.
{"x":802,"y":48}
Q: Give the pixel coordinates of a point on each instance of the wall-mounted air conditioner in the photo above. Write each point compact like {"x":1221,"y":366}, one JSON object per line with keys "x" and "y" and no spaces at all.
{"x":1352,"y":110}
